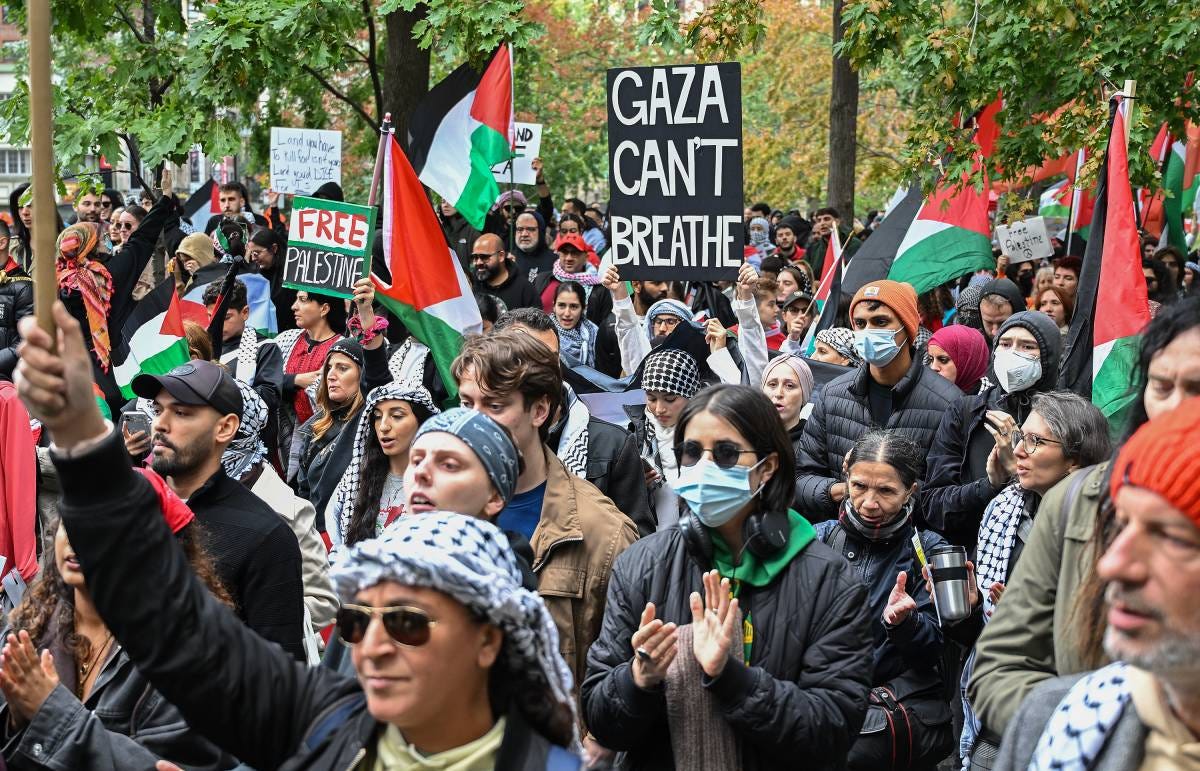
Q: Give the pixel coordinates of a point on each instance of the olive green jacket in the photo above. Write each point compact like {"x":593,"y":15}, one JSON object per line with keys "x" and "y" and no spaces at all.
{"x":1030,"y":638}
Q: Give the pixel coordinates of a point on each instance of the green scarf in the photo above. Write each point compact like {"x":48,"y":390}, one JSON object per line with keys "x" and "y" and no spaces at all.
{"x":759,"y":572}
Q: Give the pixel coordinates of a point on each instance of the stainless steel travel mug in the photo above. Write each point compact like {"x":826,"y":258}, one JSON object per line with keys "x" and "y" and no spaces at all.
{"x":948,"y":564}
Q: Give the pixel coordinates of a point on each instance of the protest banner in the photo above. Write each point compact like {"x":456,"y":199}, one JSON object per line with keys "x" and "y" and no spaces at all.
{"x":304,"y":159}
{"x":519,"y":170}
{"x":675,"y":171}
{"x":329,"y":246}
{"x":1025,"y":240}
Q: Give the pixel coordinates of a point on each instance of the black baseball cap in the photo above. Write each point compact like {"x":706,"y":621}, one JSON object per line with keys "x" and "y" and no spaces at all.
{"x":199,"y":383}
{"x":797,"y":297}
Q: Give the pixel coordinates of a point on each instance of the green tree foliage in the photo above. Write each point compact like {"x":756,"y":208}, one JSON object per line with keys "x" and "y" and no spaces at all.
{"x":1055,"y":61}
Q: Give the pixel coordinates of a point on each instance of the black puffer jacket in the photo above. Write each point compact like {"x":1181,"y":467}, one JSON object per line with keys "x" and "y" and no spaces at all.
{"x":957,"y":489}
{"x":244,"y":693}
{"x":804,"y":692}
{"x":842,"y":413}
{"x":16,"y":302}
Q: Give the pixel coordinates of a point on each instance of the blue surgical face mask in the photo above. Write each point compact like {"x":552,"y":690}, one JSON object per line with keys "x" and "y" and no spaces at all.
{"x":715,"y":494}
{"x":876,"y":346}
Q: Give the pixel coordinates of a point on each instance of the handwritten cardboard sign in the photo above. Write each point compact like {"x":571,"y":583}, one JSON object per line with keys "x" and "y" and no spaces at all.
{"x":329,"y":246}
{"x":519,"y":170}
{"x":1025,"y":240}
{"x":304,"y":159}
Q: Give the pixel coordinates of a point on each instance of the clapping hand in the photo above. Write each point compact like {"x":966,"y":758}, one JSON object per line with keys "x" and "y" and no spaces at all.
{"x":654,"y":647}
{"x":26,"y":679}
{"x":713,"y":624}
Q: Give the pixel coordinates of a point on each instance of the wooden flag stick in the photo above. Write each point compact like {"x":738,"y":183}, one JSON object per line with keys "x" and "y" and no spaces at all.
{"x":1130,"y":93}
{"x":41,"y":130}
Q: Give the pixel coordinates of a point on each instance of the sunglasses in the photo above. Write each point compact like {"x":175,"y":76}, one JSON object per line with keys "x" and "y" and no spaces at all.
{"x":484,"y":257}
{"x":124,"y":226}
{"x":406,"y":625}
{"x":724,"y":453}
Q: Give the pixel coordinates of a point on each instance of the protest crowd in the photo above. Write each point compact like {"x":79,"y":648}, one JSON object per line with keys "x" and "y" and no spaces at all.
{"x":570,"y":514}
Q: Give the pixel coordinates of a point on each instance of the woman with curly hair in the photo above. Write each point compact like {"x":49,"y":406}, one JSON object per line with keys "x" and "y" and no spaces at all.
{"x":81,"y":702}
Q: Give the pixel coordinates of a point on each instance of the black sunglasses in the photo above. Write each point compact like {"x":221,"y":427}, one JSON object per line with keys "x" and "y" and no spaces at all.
{"x":484,"y":257}
{"x":407,"y":626}
{"x":724,"y":453}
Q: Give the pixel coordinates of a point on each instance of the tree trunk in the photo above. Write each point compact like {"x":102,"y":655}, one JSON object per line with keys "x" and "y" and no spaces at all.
{"x":843,"y":127}
{"x":405,"y":69}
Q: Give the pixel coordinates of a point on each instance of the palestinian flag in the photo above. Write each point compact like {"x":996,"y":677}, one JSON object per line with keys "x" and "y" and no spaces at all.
{"x":1083,"y":203}
{"x":429,"y":291}
{"x":951,"y":235}
{"x":829,"y":294}
{"x":1112,"y":307}
{"x":1056,"y":201}
{"x":154,"y":339}
{"x":1173,"y":209}
{"x":874,"y":258}
{"x":460,"y":130}
{"x":203,"y":205}
{"x":258,"y":297}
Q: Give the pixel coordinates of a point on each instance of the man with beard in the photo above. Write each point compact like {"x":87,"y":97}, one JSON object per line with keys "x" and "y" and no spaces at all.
{"x":197,"y":409}
{"x":232,"y":196}
{"x":1143,"y":711}
{"x":532,"y":254}
{"x":494,"y":273}
{"x":826,"y":221}
{"x":87,"y":205}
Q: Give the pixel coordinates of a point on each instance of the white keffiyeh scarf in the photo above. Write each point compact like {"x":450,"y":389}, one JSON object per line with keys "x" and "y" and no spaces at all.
{"x":573,"y":444}
{"x":407,"y":364}
{"x":997,"y":535}
{"x":1076,"y":733}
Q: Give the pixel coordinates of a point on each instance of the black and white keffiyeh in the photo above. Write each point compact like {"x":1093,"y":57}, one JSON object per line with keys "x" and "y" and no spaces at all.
{"x":573,"y":444}
{"x":342,"y":503}
{"x":1076,"y":733}
{"x":671,"y":371}
{"x":578,"y":345}
{"x":242,"y":362}
{"x":470,"y":560}
{"x":407,"y":364}
{"x":997,"y":535}
{"x":247,"y":448}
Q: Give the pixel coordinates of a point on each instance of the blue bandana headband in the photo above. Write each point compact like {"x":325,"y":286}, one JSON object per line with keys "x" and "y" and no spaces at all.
{"x":486,"y":439}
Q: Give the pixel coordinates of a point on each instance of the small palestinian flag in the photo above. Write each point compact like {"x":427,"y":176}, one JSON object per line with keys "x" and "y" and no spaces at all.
{"x":460,"y":130}
{"x":154,"y":338}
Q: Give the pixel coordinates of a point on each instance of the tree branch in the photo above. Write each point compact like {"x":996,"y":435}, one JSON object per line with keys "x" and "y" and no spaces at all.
{"x":125,"y":17}
{"x":879,"y":154}
{"x":371,"y":63}
{"x":340,"y":95}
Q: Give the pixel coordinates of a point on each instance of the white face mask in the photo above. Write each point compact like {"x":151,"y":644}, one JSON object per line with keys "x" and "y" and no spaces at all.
{"x":1016,"y":372}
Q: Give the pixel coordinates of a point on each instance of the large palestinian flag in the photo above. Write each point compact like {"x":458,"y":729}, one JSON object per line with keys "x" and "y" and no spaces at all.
{"x":1102,"y":347}
{"x":154,"y":338}
{"x":429,"y":291}
{"x":463,"y":128}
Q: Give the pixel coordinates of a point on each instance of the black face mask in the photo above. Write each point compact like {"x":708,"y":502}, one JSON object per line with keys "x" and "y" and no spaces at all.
{"x":1025,"y":281}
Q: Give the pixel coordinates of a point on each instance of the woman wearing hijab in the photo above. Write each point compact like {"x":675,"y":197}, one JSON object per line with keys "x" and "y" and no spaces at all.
{"x":370,"y":496}
{"x":760,"y":240}
{"x":959,"y":354}
{"x":576,"y":334}
{"x":73,"y":696}
{"x":788,"y":383}
{"x":670,"y":378}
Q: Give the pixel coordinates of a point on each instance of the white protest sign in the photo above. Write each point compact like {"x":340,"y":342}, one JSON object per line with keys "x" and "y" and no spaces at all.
{"x":1025,"y":240}
{"x":519,"y":170}
{"x":304,"y":159}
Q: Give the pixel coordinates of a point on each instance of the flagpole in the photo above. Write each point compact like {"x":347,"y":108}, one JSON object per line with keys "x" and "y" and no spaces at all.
{"x":833,"y":235}
{"x":384,"y":129}
{"x":41,"y":137}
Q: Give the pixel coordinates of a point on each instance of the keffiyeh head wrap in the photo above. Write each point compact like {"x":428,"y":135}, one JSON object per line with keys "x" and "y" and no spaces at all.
{"x":470,"y":561}
{"x":493,"y":446}
{"x":247,"y":448}
{"x":968,"y":306}
{"x":841,"y":340}
{"x":669,"y":307}
{"x":347,"y":489}
{"x":79,"y":270}
{"x":671,"y":371}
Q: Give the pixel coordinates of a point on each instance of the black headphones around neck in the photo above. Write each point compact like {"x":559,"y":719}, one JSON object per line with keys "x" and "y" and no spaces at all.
{"x":764,"y":533}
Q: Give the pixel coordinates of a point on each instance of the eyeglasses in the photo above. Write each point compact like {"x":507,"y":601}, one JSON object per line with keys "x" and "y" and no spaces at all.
{"x":1031,"y":441}
{"x":125,"y":226}
{"x":406,"y":625}
{"x":724,"y":453}
{"x":484,"y":257}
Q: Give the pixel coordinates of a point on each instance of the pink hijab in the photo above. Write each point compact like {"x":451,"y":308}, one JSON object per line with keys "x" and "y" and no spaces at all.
{"x":968,"y":350}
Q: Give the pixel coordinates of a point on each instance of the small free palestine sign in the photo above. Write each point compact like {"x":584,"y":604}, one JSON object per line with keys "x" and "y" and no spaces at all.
{"x":329,"y":246}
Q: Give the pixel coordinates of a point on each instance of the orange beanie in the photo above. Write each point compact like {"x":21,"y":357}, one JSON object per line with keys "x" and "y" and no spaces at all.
{"x":1163,"y":456}
{"x":900,"y":297}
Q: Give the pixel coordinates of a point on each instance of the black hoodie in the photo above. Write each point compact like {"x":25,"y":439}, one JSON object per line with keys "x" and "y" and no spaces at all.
{"x":539,"y":259}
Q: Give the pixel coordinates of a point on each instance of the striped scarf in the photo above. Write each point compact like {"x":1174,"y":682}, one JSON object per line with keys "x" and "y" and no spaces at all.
{"x":79,"y":272}
{"x":586,"y":278}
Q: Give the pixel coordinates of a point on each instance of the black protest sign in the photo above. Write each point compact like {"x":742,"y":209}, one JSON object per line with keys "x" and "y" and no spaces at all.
{"x":329,"y":246}
{"x":675,"y":171}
